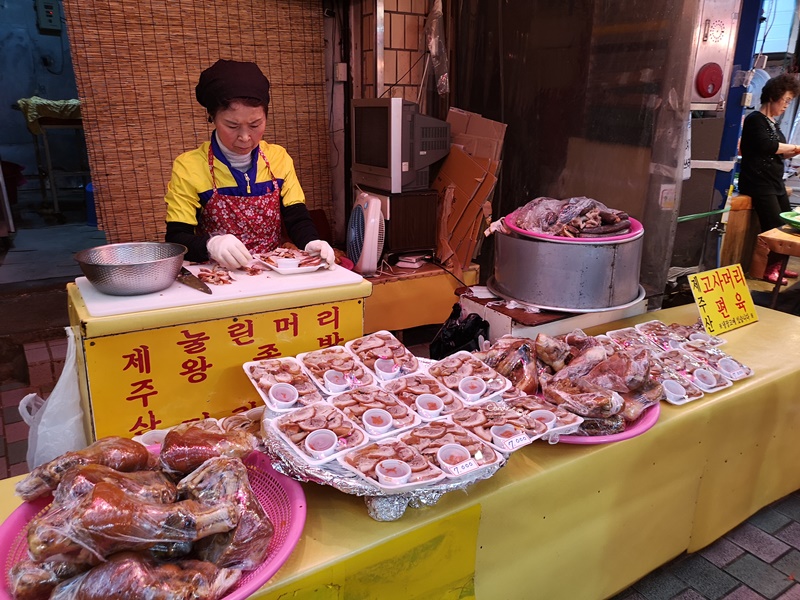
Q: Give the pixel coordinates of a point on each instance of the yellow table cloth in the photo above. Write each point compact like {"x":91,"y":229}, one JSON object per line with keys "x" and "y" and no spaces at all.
{"x":566,"y":521}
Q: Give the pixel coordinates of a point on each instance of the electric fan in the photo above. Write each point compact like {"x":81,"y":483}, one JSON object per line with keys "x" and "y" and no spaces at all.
{"x":365,"y":233}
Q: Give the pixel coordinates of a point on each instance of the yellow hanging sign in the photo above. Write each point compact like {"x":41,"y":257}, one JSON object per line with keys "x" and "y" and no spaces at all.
{"x":723,"y":299}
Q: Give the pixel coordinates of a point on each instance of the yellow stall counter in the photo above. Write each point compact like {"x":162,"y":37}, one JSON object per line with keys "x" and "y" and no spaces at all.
{"x":566,"y":521}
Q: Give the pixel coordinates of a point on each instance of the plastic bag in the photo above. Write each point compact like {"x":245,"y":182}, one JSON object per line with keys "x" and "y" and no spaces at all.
{"x":458,"y":334}
{"x":56,"y":424}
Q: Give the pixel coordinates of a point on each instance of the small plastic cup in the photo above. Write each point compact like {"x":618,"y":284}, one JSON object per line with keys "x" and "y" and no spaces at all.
{"x":699,"y":336}
{"x":546,"y":417}
{"x":673,"y":390}
{"x":451,"y":455}
{"x":376,"y":421}
{"x":502,"y":433}
{"x":429,"y":405}
{"x":472,"y":388}
{"x":321,"y":443}
{"x":283,"y":395}
{"x":705,"y":378}
{"x":336,"y":381}
{"x":392,"y":472}
{"x":287,"y":263}
{"x":730,"y":368}
{"x":152,"y":437}
{"x":386,"y":368}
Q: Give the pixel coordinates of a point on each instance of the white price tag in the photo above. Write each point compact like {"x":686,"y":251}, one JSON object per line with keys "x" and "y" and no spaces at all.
{"x":464,"y":467}
{"x":518,"y":441}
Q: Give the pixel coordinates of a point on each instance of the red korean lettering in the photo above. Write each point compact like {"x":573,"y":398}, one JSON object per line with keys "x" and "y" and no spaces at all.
{"x":711,"y":282}
{"x":332,"y":339}
{"x":725,"y":277}
{"x":195,"y":369}
{"x":138,"y":359}
{"x":738,"y":276}
{"x":142,"y":390}
{"x":195,"y":343}
{"x":242,"y":332}
{"x":740,"y":302}
{"x":722,"y":308}
{"x":267,"y":351}
{"x":141,"y":426}
{"x":329,"y":317}
{"x":287,"y":324}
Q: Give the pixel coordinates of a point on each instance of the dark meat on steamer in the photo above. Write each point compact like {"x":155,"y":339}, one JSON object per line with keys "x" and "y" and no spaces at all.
{"x":118,"y":453}
{"x":129,"y":575}
{"x":220,"y":480}
{"x":573,"y":217}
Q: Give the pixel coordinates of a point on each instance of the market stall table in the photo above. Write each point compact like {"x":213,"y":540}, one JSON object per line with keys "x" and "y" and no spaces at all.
{"x":781,"y":240}
{"x":565,"y":521}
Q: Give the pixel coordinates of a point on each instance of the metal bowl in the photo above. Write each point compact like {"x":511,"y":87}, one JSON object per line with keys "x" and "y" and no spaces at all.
{"x":133,"y":268}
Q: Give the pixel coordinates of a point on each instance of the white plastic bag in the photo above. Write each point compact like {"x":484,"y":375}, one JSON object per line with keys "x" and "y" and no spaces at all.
{"x":56,"y":424}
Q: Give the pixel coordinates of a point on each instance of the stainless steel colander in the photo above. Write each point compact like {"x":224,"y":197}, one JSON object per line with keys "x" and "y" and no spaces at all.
{"x":131,"y":268}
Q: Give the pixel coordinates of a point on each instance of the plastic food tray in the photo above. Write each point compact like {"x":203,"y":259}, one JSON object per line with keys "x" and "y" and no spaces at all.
{"x":692,"y":363}
{"x":707,"y":352}
{"x":315,"y":462}
{"x":630,"y":336}
{"x":368,"y":379}
{"x":642,"y":424}
{"x":532,"y":437}
{"x":282,"y":498}
{"x":390,"y":489}
{"x":407,"y":356}
{"x":390,"y":398}
{"x":265,"y":396}
{"x":455,"y":404}
{"x":493,"y":375}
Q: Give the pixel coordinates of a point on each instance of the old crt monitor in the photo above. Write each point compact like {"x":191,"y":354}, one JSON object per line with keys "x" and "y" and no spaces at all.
{"x":394,"y":145}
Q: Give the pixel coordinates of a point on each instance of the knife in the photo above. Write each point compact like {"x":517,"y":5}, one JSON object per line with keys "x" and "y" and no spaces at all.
{"x":186,"y":277}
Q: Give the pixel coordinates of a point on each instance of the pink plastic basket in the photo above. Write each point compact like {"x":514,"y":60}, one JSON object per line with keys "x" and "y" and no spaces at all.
{"x":642,"y":424}
{"x":635,"y":230}
{"x":281,"y":497}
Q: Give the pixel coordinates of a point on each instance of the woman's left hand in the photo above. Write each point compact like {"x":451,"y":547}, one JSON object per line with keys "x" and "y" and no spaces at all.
{"x":322,"y":249}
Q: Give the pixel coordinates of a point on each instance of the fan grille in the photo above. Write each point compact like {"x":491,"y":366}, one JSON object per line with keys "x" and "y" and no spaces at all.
{"x":355,"y":234}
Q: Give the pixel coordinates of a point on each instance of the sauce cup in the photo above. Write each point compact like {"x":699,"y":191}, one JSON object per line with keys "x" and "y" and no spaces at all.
{"x":429,"y":405}
{"x":546,"y":417}
{"x":376,"y":421}
{"x":451,"y":455}
{"x":705,"y":378}
{"x":321,"y":443}
{"x":472,"y":388}
{"x":673,"y":390}
{"x":502,"y":433}
{"x":392,"y":472}
{"x":699,"y":336}
{"x":336,"y":381}
{"x":386,"y":368}
{"x":287,"y":263}
{"x":730,"y":368}
{"x":283,"y":395}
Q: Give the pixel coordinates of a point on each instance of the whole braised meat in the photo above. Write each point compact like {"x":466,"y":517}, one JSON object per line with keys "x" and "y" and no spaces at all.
{"x":579,"y":217}
{"x":222,"y":480}
{"x":128,"y":575}
{"x":107,"y":521}
{"x":186,"y":447}
{"x":31,"y":580}
{"x":148,"y":486}
{"x":514,"y":358}
{"x":118,"y":453}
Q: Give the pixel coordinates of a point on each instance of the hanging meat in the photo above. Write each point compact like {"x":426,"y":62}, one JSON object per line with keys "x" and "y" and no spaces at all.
{"x":221,"y":480}
{"x":148,"y":486}
{"x":107,"y":521}
{"x":186,"y":447}
{"x":129,"y":575}
{"x":118,"y":453}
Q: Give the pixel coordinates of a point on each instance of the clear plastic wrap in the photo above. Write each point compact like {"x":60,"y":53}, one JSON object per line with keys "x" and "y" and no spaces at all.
{"x":119,"y":453}
{"x":129,"y":575}
{"x":30,"y":580}
{"x":434,"y":38}
{"x":515,"y":359}
{"x":147,"y":486}
{"x":186,"y":447}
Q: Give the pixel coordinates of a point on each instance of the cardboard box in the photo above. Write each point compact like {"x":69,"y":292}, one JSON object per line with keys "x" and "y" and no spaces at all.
{"x":476,"y":135}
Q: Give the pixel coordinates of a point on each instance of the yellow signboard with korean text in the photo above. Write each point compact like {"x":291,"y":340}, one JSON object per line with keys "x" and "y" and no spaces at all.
{"x":156,"y":378}
{"x":723,"y":299}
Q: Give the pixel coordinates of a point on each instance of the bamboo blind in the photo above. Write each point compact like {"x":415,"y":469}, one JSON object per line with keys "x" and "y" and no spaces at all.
{"x":136,"y":66}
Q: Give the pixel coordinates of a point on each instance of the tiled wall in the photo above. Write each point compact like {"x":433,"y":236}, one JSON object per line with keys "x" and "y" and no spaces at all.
{"x":45,"y":363}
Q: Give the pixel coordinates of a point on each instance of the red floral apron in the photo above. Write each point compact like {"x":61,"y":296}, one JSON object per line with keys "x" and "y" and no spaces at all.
{"x":255,"y":220}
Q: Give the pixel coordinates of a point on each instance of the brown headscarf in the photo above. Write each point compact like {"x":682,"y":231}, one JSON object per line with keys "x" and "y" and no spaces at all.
{"x":228,"y":79}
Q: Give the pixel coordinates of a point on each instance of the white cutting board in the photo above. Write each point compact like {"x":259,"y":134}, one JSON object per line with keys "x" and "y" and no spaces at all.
{"x":245,"y":286}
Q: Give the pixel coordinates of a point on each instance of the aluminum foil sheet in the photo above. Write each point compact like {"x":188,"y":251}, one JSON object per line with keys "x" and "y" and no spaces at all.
{"x":381,"y":505}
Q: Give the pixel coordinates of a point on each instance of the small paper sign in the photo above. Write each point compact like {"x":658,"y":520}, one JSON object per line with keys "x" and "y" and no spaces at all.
{"x":518,"y":441}
{"x":723,"y":299}
{"x":464,"y":467}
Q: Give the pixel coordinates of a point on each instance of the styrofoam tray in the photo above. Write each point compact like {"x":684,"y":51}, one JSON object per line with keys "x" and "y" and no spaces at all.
{"x":385,"y":397}
{"x":684,"y":364}
{"x":485,"y":372}
{"x":275,"y":425}
{"x":410,"y":363}
{"x":391,"y":489}
{"x":530,"y":434}
{"x":455,"y":403}
{"x":314,"y":396}
{"x":367,"y":379}
{"x":711,"y":354}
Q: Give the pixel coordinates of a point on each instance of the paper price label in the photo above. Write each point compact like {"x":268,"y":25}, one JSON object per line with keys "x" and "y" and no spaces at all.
{"x":462,"y":468}
{"x":518,"y":441}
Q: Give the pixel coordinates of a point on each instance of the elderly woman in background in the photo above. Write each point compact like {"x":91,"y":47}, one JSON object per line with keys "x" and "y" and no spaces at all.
{"x":229,"y":197}
{"x":763,"y":148}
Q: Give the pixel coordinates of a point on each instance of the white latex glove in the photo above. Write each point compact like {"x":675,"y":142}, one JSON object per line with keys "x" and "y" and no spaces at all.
{"x":322,"y":249}
{"x":228,"y":251}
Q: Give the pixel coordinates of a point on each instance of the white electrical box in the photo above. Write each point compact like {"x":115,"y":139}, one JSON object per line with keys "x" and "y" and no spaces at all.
{"x":48,"y":15}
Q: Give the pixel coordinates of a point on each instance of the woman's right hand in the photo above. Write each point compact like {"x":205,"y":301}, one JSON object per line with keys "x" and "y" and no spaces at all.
{"x":228,"y":251}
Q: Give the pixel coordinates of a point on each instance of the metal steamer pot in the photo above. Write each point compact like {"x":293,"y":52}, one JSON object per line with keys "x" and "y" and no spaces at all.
{"x":573,"y":275}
